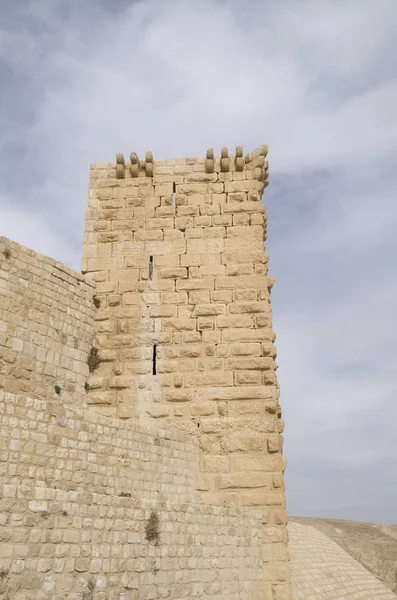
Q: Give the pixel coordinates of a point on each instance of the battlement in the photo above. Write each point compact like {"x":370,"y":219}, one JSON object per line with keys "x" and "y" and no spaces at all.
{"x":254,"y":163}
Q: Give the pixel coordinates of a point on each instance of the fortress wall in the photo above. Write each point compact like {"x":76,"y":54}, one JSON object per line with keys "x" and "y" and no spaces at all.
{"x":183,"y":277}
{"x":80,"y":546}
{"x":45,"y":445}
{"x":76,"y":495}
{"x":176,"y":252}
{"x":46,"y":325}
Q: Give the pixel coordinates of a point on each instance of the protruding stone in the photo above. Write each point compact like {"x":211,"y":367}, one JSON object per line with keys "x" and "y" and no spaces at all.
{"x":149,"y":164}
{"x":120,"y":166}
{"x":134,"y":168}
{"x":209,"y":163}
{"x":261,"y":151}
{"x":225,"y":163}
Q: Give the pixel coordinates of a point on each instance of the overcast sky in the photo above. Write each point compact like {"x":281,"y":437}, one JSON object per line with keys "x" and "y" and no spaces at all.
{"x":316,"y":80}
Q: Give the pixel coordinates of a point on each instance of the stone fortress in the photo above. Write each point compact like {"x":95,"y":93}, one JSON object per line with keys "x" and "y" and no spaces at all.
{"x":141,"y":431}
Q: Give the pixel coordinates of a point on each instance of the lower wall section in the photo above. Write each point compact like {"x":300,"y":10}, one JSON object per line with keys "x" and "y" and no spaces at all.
{"x":76,"y":491}
{"x":62,"y":545}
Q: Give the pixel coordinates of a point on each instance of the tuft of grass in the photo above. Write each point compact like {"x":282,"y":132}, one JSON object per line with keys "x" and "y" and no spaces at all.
{"x":97,"y":301}
{"x":57,"y":389}
{"x":152,"y":528}
{"x":86,"y":386}
{"x":125,"y":495}
{"x":7,"y":253}
{"x":4,"y":573}
{"x":93,"y":359}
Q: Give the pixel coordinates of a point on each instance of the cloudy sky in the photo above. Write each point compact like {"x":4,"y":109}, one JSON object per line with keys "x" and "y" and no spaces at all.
{"x":83,"y":79}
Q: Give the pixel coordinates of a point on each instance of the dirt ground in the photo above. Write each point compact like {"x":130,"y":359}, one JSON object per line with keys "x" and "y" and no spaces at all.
{"x":374,"y":546}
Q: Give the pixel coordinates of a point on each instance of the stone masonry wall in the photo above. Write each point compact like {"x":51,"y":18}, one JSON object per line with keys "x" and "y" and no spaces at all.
{"x":184,"y":329}
{"x":83,"y":451}
{"x":76,"y":495}
{"x":46,"y":325}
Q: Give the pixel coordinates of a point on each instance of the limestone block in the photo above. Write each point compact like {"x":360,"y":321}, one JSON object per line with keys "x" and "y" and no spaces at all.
{"x":205,"y":323}
{"x":163,"y":189}
{"x":215,"y":464}
{"x":204,"y":246}
{"x":248,"y":307}
{"x":202,"y":221}
{"x":244,"y":441}
{"x":184,"y":223}
{"x":143,"y":235}
{"x":194,"y":233}
{"x":158,"y":411}
{"x":195,"y":284}
{"x":241,"y":269}
{"x":234,"y":321}
{"x":222,"y":220}
{"x":208,"y":310}
{"x":248,"y":378}
{"x":274,"y":443}
{"x":216,"y":189}
{"x":240,"y":219}
{"x":207,"y":177}
{"x":243,"y":480}
{"x":246,"y":349}
{"x":160,"y":223}
{"x":260,"y":363}
{"x":245,"y":230}
{"x":178,"y":395}
{"x":211,"y":378}
{"x":192,"y":188}
{"x":173,"y":273}
{"x":189,"y":351}
{"x":179,"y":324}
{"x":248,"y":207}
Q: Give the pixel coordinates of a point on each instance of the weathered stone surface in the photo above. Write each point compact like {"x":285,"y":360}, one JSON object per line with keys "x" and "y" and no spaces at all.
{"x":180,"y":405}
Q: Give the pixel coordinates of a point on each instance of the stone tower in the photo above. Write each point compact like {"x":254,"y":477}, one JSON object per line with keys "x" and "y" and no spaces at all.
{"x":184,"y":325}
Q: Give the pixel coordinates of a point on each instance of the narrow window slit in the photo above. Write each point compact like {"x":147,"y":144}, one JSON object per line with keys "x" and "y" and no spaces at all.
{"x":151,"y":267}
{"x":173,"y":194}
{"x":154,"y":358}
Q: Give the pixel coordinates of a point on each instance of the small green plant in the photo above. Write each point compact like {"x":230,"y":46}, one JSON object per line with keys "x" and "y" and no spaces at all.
{"x":65,"y":513}
{"x":3,"y":573}
{"x":125,"y":495}
{"x":7,"y":253}
{"x":97,"y":301}
{"x":57,"y":389}
{"x":45,"y":514}
{"x":86,"y":386}
{"x":152,"y":528}
{"x":93,"y":359}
